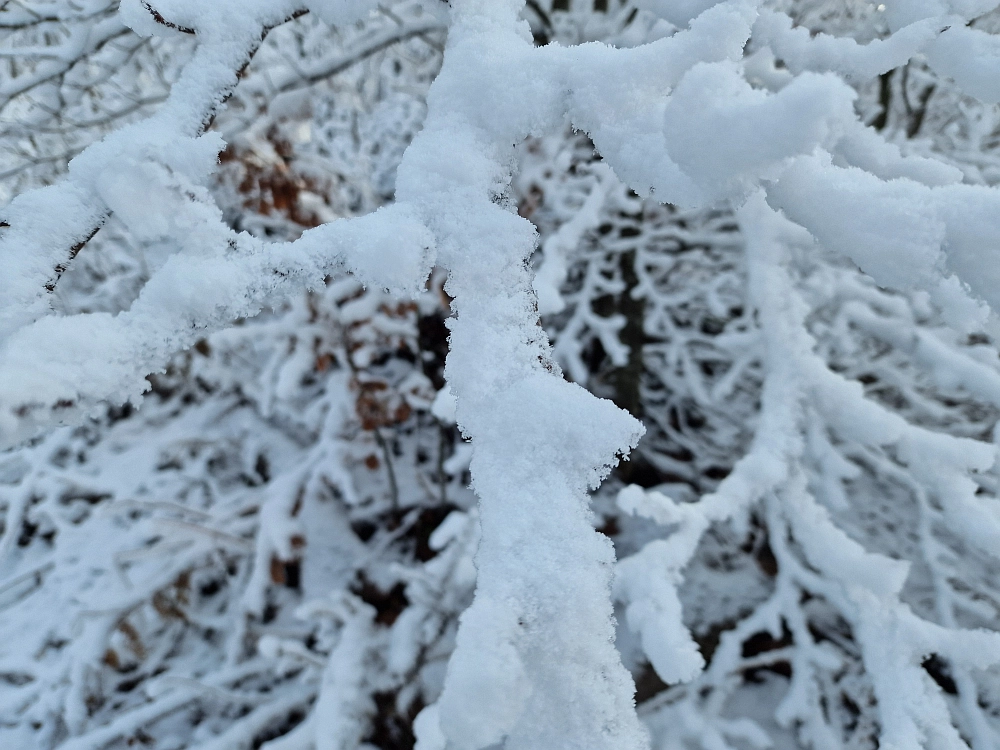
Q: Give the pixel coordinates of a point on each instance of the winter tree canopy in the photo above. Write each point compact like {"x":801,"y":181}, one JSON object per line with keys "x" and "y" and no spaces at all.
{"x":598,"y":375}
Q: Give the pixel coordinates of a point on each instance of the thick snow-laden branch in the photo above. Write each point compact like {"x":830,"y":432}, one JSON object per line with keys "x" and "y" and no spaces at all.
{"x":534,"y":664}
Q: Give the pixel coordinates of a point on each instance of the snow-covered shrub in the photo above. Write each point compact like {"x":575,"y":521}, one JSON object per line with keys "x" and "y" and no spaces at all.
{"x":764,"y":230}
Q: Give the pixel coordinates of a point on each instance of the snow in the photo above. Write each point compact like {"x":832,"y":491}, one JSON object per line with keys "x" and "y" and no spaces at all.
{"x":801,"y":51}
{"x":534,"y":663}
{"x":727,"y":136}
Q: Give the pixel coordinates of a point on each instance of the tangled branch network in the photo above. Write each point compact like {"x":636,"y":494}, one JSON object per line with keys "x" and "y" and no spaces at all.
{"x":689,"y":120}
